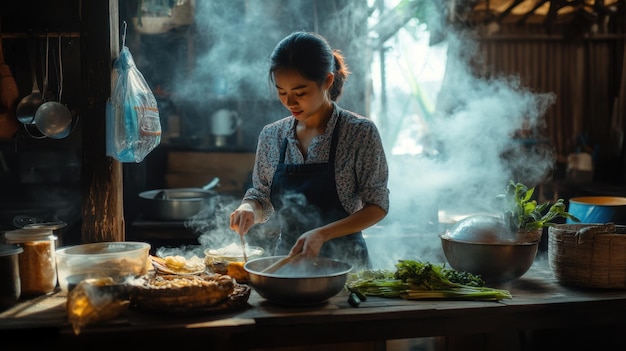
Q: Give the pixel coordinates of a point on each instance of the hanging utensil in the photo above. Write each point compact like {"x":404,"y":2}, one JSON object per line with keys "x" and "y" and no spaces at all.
{"x":29,"y":105}
{"x":52,"y":118}
{"x":47,"y":95}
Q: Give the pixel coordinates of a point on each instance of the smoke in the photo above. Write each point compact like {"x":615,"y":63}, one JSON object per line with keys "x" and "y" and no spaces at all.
{"x":481,"y":127}
{"x":478,"y":129}
{"x":213,"y":222}
{"x":233,"y":52}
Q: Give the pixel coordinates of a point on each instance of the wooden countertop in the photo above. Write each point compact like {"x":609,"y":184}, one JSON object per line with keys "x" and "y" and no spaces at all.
{"x":539,"y":302}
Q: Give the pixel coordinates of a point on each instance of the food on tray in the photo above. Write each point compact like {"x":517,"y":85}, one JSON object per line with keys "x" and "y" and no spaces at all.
{"x":235,"y":270}
{"x":178,"y":264}
{"x":162,"y":292}
{"x":229,"y":260}
{"x":232,"y":252}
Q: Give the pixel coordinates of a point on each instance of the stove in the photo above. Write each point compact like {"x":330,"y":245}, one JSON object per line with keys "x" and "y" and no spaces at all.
{"x":161,"y":233}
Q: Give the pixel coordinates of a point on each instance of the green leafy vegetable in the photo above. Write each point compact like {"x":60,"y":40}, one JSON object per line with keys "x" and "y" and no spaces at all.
{"x":414,"y":280}
{"x":524,"y":214}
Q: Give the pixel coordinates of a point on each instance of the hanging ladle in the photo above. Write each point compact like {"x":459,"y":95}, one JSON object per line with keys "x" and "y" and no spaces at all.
{"x":27,"y":107}
{"x":52,"y":118}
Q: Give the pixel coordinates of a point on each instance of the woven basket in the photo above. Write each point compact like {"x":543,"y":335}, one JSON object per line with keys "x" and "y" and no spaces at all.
{"x":588,"y":255}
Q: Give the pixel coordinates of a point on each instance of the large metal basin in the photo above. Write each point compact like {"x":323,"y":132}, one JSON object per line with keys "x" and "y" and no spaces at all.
{"x":483,"y":245}
{"x":307,"y":282}
{"x":495,"y":263}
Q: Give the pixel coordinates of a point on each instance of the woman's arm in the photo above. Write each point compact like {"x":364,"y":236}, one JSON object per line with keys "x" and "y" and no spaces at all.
{"x":310,"y":243}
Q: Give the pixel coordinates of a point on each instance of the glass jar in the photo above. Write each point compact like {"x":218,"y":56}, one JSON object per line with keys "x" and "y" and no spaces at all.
{"x":9,"y":275}
{"x":37,"y":263}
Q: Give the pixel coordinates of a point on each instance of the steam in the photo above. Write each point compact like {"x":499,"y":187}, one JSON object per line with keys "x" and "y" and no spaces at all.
{"x":235,"y":62}
{"x":475,"y":129}
{"x":480,"y":149}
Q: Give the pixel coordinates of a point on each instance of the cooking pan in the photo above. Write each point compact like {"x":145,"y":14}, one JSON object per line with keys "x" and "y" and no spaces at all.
{"x":176,"y":204}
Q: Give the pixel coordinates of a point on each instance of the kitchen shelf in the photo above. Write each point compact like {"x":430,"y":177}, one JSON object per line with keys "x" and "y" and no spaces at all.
{"x":28,"y":35}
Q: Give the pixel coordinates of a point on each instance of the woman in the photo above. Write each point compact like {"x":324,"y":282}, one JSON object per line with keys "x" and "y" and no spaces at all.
{"x":322,"y":169}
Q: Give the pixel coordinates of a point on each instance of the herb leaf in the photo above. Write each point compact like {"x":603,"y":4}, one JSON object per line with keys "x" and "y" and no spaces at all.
{"x":522,"y":213}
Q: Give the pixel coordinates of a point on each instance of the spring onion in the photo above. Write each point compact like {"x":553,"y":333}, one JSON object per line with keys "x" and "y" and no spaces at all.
{"x":415,"y":280}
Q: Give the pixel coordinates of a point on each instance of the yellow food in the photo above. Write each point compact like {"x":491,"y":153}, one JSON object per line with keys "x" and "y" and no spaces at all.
{"x":175,"y":261}
{"x":178,"y":264}
{"x":235,"y":270}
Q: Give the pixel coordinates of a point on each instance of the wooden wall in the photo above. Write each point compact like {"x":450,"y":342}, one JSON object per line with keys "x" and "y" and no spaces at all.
{"x":586,"y":75}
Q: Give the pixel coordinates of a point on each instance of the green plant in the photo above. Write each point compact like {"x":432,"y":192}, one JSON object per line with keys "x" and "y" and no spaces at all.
{"x":415,"y":280}
{"x":523,"y":213}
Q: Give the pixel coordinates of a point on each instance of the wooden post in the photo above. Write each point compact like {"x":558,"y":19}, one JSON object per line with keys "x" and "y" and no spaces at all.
{"x":101,"y":177}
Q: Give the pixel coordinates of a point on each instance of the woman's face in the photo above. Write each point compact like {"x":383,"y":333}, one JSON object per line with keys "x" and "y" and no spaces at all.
{"x":302,"y":97}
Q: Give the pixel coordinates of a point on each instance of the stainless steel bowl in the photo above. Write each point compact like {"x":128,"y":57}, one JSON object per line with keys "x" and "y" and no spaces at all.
{"x":307,"y":282}
{"x":495,"y":263}
{"x":483,"y":245}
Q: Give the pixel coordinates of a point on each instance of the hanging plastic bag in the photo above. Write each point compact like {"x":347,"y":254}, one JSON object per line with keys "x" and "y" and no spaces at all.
{"x":133,"y":125}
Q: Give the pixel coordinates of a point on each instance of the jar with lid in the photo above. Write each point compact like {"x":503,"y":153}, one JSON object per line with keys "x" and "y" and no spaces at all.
{"x":9,"y":275}
{"x":37,"y":263}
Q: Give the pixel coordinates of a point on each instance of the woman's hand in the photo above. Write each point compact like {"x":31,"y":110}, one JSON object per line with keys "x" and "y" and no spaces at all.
{"x":309,"y":243}
{"x":242,"y":219}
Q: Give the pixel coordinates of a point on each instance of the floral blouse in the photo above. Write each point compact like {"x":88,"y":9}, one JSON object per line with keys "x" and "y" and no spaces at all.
{"x":360,"y":164}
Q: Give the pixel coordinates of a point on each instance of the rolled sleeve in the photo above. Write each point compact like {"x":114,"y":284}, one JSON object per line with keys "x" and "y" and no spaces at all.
{"x":373,"y":173}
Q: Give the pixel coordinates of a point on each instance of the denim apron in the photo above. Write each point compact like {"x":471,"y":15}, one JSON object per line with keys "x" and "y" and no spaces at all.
{"x":305,"y":197}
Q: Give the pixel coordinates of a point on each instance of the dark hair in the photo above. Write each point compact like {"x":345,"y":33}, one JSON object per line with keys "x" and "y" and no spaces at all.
{"x":311,"y":56}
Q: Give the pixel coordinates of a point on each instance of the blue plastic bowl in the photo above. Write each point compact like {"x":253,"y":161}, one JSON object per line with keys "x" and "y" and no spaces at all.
{"x":598,"y":209}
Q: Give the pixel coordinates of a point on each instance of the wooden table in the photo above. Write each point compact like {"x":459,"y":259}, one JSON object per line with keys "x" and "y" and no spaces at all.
{"x":568,"y":317}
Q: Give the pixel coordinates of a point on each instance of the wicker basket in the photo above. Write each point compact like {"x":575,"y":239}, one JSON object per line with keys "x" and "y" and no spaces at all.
{"x":588,"y":255}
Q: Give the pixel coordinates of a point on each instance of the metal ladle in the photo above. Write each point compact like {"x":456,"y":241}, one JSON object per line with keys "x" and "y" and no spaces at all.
{"x":27,"y":107}
{"x":52,"y":118}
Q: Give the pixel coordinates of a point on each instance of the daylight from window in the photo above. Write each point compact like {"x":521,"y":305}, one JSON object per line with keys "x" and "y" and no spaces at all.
{"x":406,"y":78}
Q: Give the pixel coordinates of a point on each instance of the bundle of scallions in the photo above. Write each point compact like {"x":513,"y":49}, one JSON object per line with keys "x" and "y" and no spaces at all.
{"x":414,"y":280}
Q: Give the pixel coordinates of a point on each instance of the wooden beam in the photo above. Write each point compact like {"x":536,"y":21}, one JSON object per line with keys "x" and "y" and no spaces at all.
{"x":101,"y":177}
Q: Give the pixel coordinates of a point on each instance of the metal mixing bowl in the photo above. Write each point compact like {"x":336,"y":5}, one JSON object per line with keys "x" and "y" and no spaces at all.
{"x":483,"y":245}
{"x":307,"y":282}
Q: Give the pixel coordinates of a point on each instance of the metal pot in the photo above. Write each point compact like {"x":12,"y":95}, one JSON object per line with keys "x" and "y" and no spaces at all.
{"x":176,"y":204}
{"x":307,"y":282}
{"x":494,"y":262}
{"x":483,"y":245}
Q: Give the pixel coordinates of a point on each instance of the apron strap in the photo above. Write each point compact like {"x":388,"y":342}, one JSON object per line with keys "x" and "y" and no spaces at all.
{"x":334,"y":142}
{"x":283,"y":149}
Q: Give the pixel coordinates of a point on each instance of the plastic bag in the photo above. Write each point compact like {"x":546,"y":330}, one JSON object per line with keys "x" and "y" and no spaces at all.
{"x":96,"y":300}
{"x":133,"y":124}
